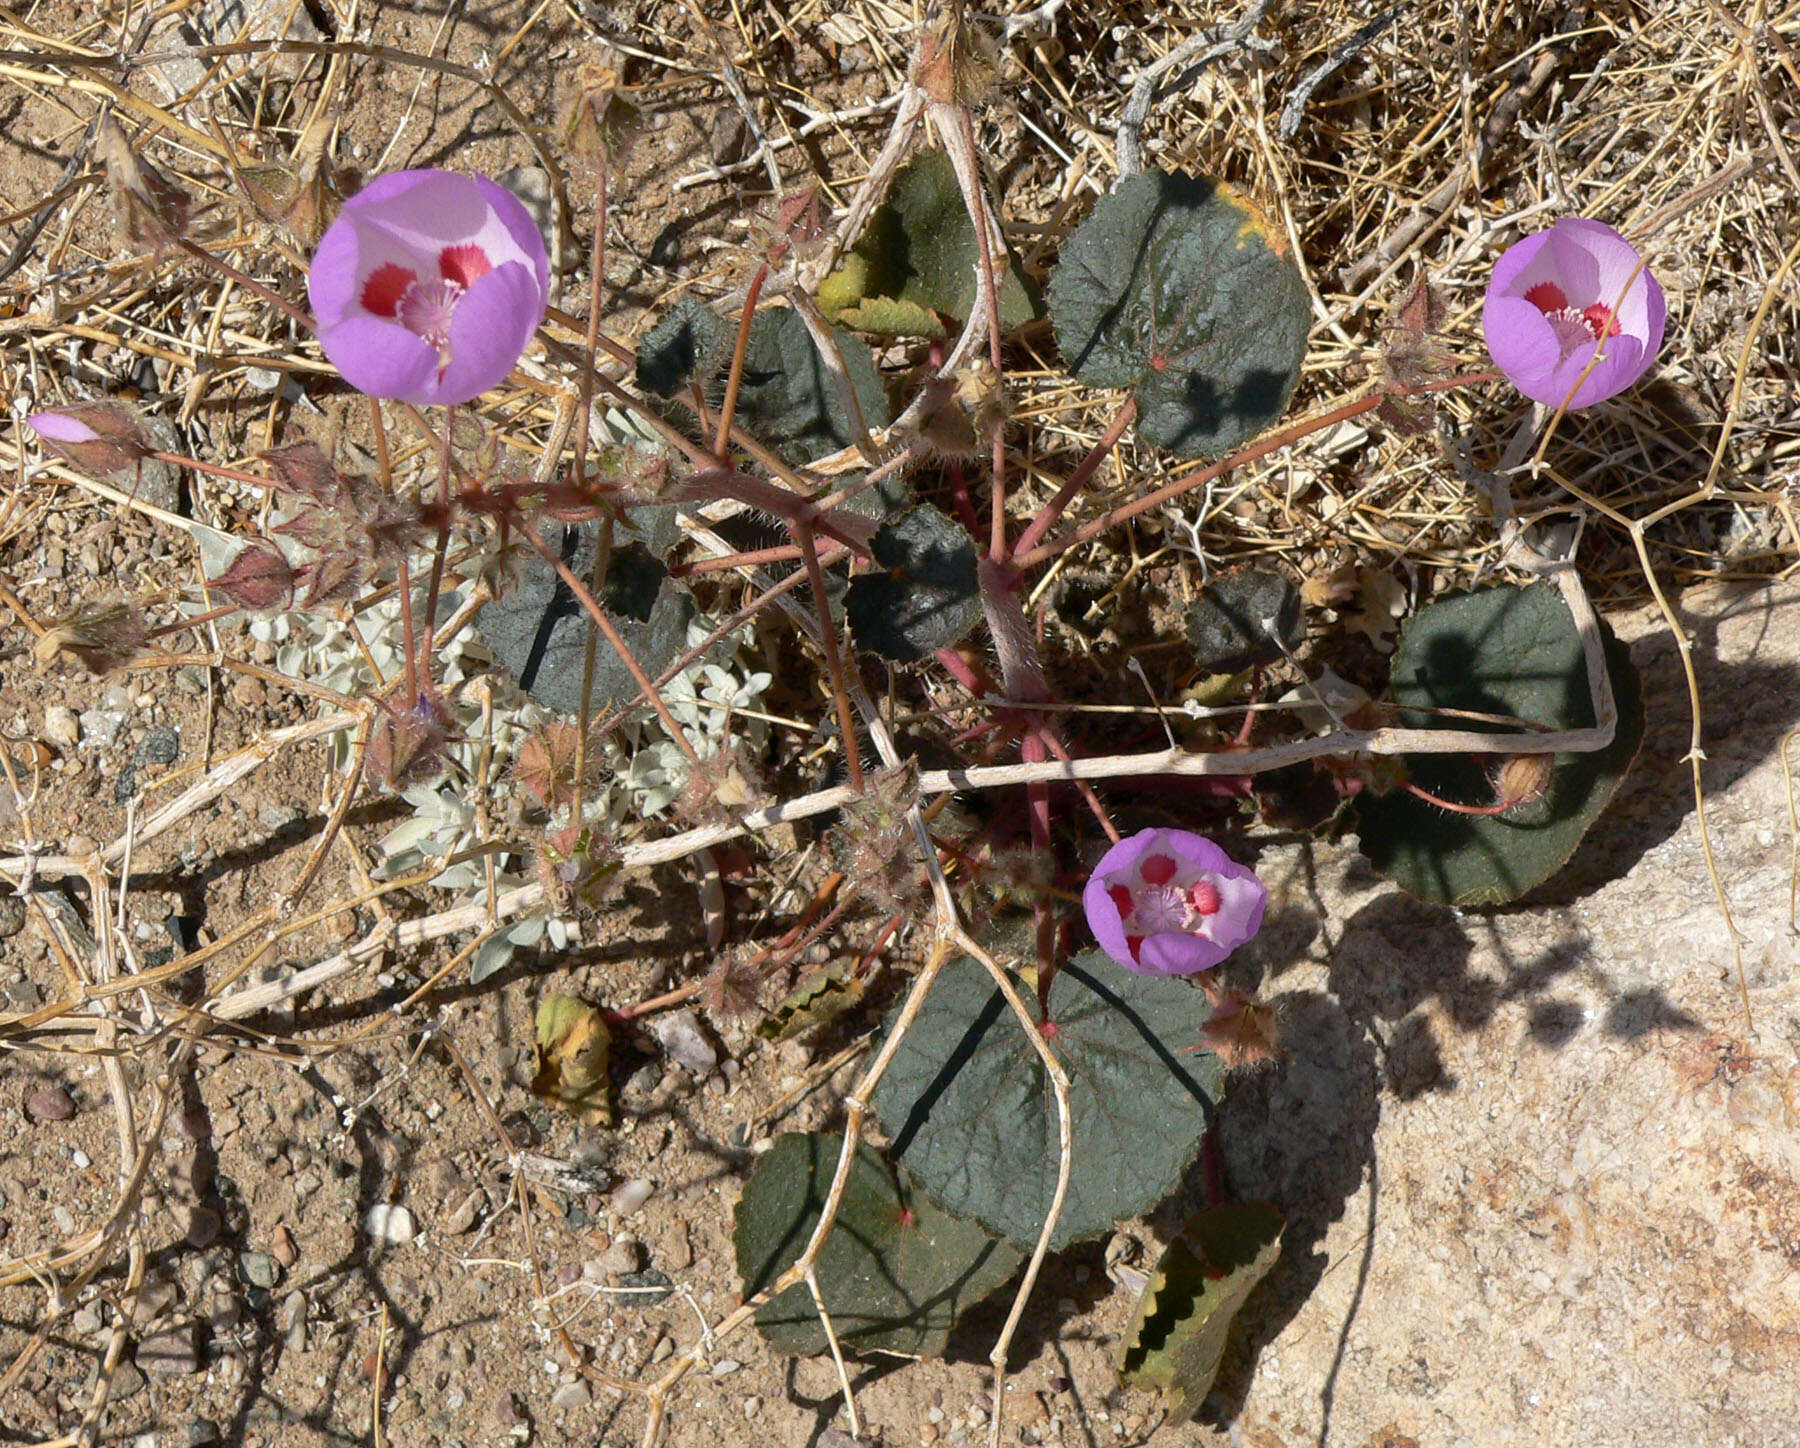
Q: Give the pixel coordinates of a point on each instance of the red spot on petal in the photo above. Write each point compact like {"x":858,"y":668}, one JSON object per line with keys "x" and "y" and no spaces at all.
{"x":1601,"y":321}
{"x":1133,"y":944}
{"x":464,"y":264}
{"x":1121,"y":898}
{"x":1547,"y":297}
{"x":1157,"y":869}
{"x":1205,"y":896}
{"x":381,"y":293}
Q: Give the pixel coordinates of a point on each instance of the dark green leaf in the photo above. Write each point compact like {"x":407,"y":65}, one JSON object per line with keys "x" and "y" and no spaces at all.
{"x":788,"y":399}
{"x":971,"y":1112}
{"x":1510,"y":651}
{"x":1177,"y":1335}
{"x":690,"y":341}
{"x":1179,"y":289}
{"x":1228,"y":625}
{"x":927,"y":597}
{"x":916,"y":260}
{"x":539,"y":631}
{"x":895,"y":1273}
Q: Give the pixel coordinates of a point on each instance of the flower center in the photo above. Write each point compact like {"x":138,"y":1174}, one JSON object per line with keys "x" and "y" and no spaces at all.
{"x":1574,"y":326}
{"x":1161,"y":895}
{"x":424,"y":306}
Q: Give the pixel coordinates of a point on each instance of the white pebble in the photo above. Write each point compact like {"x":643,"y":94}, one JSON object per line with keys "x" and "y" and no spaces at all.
{"x":628,"y":1198}
{"x":81,"y":1159}
{"x":389,"y":1224}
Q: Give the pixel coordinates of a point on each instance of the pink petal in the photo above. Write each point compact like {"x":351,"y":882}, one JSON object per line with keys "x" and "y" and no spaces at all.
{"x":1105,"y":918}
{"x":1623,"y":364}
{"x":493,"y":323}
{"x":1522,"y":343}
{"x":380,"y":358}
{"x":1176,"y":953}
{"x":510,"y":213}
{"x":58,"y":427}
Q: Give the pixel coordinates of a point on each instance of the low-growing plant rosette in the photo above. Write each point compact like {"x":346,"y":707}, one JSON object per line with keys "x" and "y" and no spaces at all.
{"x":1171,"y":902}
{"x":428,"y":286}
{"x":1559,"y":297}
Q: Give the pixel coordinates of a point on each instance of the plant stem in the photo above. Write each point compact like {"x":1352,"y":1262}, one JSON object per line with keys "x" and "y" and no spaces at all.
{"x":722,"y":439}
{"x":1187,"y":482}
{"x":834,"y":663}
{"x":1078,"y":479}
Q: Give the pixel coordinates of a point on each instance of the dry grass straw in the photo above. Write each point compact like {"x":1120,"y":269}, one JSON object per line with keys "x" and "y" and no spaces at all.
{"x":1436,"y":138}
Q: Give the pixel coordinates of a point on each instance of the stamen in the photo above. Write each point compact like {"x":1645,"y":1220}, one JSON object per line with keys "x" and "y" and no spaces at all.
{"x":1204,"y":896}
{"x":426,"y":309}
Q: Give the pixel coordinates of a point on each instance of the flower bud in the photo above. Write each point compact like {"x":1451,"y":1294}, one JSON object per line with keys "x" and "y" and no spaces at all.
{"x":1521,"y":778}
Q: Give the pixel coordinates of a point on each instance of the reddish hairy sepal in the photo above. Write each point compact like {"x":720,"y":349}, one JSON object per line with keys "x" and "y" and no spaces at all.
{"x":259,"y":577}
{"x":411,"y":742}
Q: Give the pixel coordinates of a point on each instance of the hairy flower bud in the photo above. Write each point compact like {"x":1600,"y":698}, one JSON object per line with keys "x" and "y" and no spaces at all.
{"x":1521,"y":778}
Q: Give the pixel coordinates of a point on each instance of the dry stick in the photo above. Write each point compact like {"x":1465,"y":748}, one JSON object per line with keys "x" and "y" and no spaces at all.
{"x":1294,"y":109}
{"x":1201,"y":50}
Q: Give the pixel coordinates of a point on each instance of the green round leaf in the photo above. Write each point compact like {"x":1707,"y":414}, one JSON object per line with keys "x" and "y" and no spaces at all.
{"x":788,"y":399}
{"x":1244,"y":617}
{"x":927,"y":596}
{"x":971,"y":1112}
{"x":895,"y":1272}
{"x":916,"y":259}
{"x":1177,"y":288}
{"x":1507,"y":650}
{"x":689,"y":340}
{"x":539,"y":631}
{"x":1176,"y":1340}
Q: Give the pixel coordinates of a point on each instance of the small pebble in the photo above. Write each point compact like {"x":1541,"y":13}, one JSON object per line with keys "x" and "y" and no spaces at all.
{"x":572,"y":1395}
{"x":82,"y":1161}
{"x":389,"y":1224}
{"x":632,"y":1196}
{"x":50,"y":1103}
{"x":173,"y":1352}
{"x":625,"y":1255}
{"x":202,"y":1228}
{"x":463,"y":1218}
{"x":258,"y":1269}
{"x":284,"y":1249}
{"x":61,"y":728}
{"x":161,"y":745}
{"x":725,"y":1367}
{"x":681,"y":1036}
{"x":752,"y":1406}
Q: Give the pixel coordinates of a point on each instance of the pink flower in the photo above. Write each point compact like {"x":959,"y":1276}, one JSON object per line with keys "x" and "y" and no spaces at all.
{"x":1170,"y":902}
{"x":98,"y":436}
{"x":1550,"y":307}
{"x":428,"y":286}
